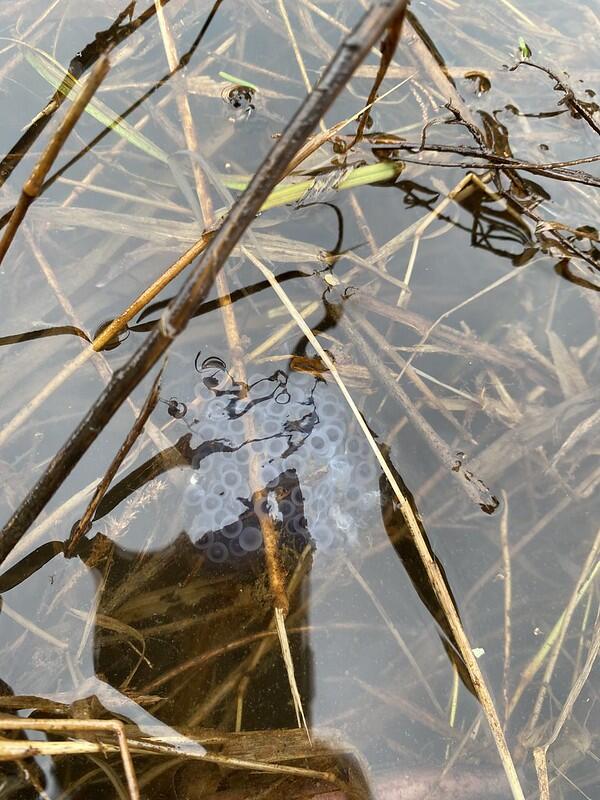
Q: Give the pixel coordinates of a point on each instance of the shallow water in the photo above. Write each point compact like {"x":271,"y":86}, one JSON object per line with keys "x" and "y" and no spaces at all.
{"x":492,"y":430}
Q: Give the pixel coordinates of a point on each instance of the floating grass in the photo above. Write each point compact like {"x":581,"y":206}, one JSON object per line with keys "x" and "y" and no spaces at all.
{"x":68,"y":85}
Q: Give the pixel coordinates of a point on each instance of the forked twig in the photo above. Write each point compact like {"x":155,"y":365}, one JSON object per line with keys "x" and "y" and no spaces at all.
{"x":539,"y":753}
{"x":569,"y":99}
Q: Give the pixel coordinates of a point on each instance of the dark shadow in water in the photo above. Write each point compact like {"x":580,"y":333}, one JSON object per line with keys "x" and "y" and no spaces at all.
{"x":404,"y":545}
{"x":491,"y":228}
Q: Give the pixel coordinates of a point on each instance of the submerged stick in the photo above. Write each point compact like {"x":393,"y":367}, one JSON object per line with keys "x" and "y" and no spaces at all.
{"x":84,"y":524}
{"x":32,"y":186}
{"x":343,"y":64}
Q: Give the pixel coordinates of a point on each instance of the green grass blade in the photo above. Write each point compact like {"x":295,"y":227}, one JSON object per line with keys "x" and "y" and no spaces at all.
{"x":237,"y":81}
{"x":61,"y":80}
{"x":291,"y":192}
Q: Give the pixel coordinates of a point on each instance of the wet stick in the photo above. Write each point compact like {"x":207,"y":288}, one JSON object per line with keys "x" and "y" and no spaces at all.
{"x":32,"y":186}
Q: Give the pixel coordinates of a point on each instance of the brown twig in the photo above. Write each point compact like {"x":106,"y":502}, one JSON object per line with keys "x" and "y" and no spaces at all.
{"x":556,"y":171}
{"x":576,"y":107}
{"x":388,"y":48}
{"x":32,"y":186}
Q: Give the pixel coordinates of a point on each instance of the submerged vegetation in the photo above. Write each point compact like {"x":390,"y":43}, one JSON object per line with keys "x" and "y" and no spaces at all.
{"x":300,"y":414}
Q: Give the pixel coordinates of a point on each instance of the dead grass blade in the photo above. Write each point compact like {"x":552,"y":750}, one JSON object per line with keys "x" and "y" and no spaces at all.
{"x":89,"y":725}
{"x":32,"y":186}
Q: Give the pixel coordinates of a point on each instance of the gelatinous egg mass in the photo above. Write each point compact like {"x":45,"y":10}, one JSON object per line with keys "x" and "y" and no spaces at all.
{"x":316,"y":477}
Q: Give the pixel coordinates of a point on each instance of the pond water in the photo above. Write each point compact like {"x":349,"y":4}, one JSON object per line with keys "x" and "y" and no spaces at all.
{"x":462,"y":316}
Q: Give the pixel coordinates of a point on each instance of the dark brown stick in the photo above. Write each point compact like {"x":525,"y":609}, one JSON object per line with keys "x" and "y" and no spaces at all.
{"x":343,"y":64}
{"x":556,"y":171}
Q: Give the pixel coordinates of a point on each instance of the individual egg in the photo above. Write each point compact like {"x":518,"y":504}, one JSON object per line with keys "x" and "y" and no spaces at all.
{"x":217,"y":552}
{"x":205,"y":541}
{"x":232,"y":480}
{"x":366,"y":472}
{"x":250,"y":538}
{"x":193,"y":495}
{"x":235,"y":549}
{"x":324,"y":534}
{"x":233,"y":529}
